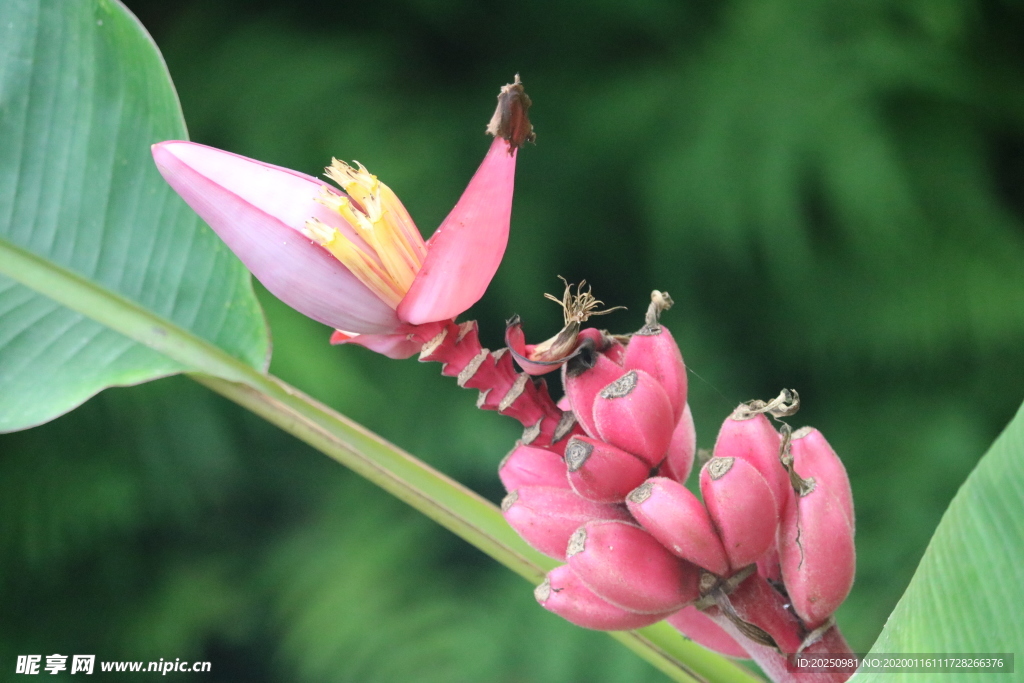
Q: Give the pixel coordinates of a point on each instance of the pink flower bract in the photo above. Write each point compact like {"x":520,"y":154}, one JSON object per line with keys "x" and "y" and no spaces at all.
{"x":352,"y":258}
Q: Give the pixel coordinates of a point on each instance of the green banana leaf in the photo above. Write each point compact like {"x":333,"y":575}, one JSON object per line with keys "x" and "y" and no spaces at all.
{"x":965,"y":596}
{"x":84,"y":92}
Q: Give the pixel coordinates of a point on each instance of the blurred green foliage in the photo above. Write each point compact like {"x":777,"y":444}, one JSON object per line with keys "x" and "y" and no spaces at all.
{"x":832,"y":192}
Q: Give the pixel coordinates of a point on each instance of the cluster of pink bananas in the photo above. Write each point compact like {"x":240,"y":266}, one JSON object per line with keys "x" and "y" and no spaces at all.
{"x":756,"y":568}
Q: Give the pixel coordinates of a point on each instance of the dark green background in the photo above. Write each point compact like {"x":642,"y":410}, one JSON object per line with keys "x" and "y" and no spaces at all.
{"x":832,"y":192}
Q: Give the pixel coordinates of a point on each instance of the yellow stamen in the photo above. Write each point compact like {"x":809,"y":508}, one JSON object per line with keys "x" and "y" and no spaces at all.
{"x":361,"y":264}
{"x":393,"y":249}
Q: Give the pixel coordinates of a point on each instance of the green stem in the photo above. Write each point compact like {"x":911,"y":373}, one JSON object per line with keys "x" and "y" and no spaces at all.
{"x":444,"y":500}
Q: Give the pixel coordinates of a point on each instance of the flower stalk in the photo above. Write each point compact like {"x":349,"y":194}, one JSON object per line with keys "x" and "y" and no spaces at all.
{"x":502,"y":388}
{"x":449,"y":503}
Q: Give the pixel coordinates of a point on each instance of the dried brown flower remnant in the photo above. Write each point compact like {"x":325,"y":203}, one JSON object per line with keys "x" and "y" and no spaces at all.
{"x":511,"y":120}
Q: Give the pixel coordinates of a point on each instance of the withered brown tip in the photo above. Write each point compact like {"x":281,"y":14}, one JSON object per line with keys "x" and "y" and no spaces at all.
{"x":511,"y":120}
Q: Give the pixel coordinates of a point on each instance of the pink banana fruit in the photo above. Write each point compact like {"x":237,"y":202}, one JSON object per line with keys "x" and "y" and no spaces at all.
{"x":817,"y":553}
{"x":565,"y":595}
{"x":681,"y":449}
{"x":742,"y":507}
{"x":601,"y":472}
{"x":679,"y":521}
{"x":583,"y":377}
{"x":654,"y":351}
{"x":634,"y":413}
{"x":813,"y":457}
{"x":751,"y":437}
{"x":529,"y":466}
{"x":546,"y":517}
{"x":608,"y":346}
{"x":629,"y":568}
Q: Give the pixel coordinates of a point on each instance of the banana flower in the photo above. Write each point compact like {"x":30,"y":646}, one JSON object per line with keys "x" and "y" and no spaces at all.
{"x":350,"y":256}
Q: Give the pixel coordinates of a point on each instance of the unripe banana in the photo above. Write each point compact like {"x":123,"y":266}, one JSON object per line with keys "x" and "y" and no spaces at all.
{"x":634,"y":413}
{"x":817,"y":554}
{"x":629,"y":568}
{"x":750,"y":436}
{"x":546,"y":517}
{"x":564,"y":594}
{"x":654,"y":351}
{"x":601,"y":472}
{"x":681,"y":449}
{"x":742,"y":507}
{"x":529,"y":466}
{"x":674,"y":516}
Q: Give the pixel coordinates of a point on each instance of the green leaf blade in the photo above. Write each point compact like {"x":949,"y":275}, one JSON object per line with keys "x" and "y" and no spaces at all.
{"x":965,"y":594}
{"x":45,"y":346}
{"x":84,"y":95}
